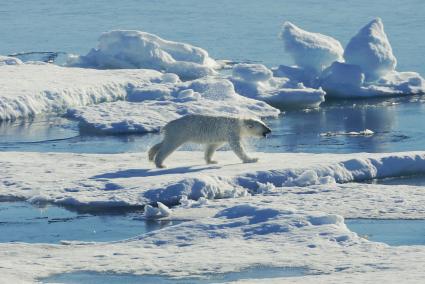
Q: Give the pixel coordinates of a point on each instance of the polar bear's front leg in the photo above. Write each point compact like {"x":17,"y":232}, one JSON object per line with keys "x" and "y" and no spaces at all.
{"x":167,"y":147}
{"x":237,"y":147}
{"x":209,"y":152}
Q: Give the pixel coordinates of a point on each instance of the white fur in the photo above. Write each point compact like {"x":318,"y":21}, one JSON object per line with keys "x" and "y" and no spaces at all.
{"x":212,"y":131}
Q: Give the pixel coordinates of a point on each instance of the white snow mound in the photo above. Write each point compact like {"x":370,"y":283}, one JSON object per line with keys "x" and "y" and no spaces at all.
{"x":30,"y":89}
{"x":310,"y":50}
{"x":371,"y":50}
{"x":126,"y":49}
{"x":155,"y":105}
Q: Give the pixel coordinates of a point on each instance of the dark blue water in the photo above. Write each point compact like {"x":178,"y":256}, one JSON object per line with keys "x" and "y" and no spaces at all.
{"x":23,"y":222}
{"x":250,"y":273}
{"x":391,"y":232}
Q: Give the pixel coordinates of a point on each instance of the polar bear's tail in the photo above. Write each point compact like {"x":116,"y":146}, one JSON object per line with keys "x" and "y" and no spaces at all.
{"x":153,"y":151}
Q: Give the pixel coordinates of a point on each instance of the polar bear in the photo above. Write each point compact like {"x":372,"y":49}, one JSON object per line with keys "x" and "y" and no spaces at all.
{"x":212,"y":131}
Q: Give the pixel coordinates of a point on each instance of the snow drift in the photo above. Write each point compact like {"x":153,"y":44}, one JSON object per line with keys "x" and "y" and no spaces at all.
{"x":125,"y":49}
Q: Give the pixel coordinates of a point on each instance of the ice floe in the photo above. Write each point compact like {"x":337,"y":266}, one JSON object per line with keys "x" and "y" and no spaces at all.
{"x":310,"y":50}
{"x":256,"y":81}
{"x":129,"y":179}
{"x":366,"y":68}
{"x":371,"y":50}
{"x":124,"y":49}
{"x":30,"y":89}
{"x":151,"y":107}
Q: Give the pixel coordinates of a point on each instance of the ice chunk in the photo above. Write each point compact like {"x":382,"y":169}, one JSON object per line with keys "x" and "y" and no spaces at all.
{"x":296,"y":75}
{"x":252,"y":72}
{"x":279,"y":92}
{"x":341,"y":79}
{"x":310,"y":50}
{"x":371,"y":50}
{"x":7,"y":60}
{"x":123,"y":49}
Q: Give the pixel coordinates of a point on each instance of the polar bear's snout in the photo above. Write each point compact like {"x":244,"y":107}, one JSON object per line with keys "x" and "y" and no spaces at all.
{"x":266,"y":131}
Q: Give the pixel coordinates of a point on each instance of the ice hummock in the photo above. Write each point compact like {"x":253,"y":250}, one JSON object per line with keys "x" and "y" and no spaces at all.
{"x":125,"y":49}
{"x":367,"y":68}
{"x":310,"y":50}
{"x":371,"y":50}
{"x":38,"y":88}
{"x":256,"y":81}
{"x":151,"y":107}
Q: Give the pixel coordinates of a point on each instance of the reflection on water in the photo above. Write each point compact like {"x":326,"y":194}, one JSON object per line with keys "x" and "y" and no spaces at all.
{"x":396,"y":123}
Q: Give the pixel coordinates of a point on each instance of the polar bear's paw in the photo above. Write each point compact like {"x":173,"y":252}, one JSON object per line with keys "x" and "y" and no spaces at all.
{"x":162,"y":166}
{"x":251,"y":160}
{"x":212,"y":162}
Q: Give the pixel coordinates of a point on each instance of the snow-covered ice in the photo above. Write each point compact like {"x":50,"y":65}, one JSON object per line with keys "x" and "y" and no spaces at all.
{"x":310,"y":50}
{"x":125,"y":49}
{"x":30,"y":89}
{"x":296,"y":221}
{"x":129,"y":179}
{"x":7,"y":60}
{"x":153,"y":106}
{"x":366,"y":68}
{"x":256,"y":81}
{"x":371,"y":50}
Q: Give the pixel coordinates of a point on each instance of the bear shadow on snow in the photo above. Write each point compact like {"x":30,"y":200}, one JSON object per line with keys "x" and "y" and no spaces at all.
{"x":130,"y":173}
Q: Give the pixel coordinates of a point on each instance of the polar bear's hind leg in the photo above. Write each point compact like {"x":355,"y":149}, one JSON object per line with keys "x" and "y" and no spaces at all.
{"x":209,"y":152}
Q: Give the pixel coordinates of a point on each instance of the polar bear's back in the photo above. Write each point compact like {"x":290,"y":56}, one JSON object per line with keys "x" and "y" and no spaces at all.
{"x":202,"y":128}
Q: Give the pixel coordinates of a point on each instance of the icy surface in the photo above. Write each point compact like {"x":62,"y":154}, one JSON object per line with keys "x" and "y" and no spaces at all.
{"x":310,"y":50}
{"x":257,"y":81}
{"x":371,"y":50}
{"x":128,"y":179}
{"x":7,"y":60}
{"x":155,"y":105}
{"x":297,"y":221}
{"x":124,"y":49}
{"x":30,"y":89}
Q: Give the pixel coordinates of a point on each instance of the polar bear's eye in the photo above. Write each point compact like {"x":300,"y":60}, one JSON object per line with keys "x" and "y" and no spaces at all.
{"x":250,"y":125}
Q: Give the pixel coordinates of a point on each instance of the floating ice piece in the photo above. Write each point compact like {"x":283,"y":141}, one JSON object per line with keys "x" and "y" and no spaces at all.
{"x":252,"y":72}
{"x":29,"y":89}
{"x":202,"y":96}
{"x":366,"y":132}
{"x":279,"y":92}
{"x":8,"y":60}
{"x":124,"y":49}
{"x":157,"y":212}
{"x":296,"y":75}
{"x":310,"y":50}
{"x":371,"y":50}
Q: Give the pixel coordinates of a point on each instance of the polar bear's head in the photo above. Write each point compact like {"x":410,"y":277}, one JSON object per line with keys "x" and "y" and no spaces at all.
{"x":255,"y":127}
